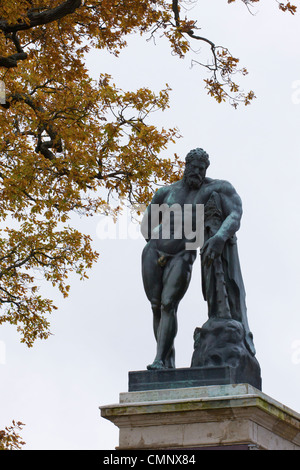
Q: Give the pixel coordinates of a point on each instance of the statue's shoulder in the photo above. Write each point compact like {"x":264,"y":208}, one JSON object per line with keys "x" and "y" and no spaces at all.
{"x":225,"y":195}
{"x":164,"y":191}
{"x":220,"y":186}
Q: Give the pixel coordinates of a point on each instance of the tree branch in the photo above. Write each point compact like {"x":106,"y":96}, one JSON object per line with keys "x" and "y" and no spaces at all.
{"x":40,"y":18}
{"x":55,"y":141}
{"x":12,"y":60}
{"x":190,"y":32}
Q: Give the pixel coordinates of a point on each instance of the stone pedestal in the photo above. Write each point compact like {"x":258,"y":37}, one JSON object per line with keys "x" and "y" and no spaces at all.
{"x":191,"y":377}
{"x":208,"y":417}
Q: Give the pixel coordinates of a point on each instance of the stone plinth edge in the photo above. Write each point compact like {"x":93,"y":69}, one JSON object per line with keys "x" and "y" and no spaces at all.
{"x":203,"y":417}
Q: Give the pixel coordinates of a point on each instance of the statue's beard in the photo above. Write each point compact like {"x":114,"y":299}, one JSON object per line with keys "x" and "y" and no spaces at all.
{"x":193,"y":181}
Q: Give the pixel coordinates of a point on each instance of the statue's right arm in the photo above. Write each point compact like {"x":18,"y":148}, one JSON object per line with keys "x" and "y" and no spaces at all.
{"x":146,"y":227}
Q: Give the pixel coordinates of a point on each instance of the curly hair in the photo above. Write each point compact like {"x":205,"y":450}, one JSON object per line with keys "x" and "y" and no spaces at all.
{"x":198,"y":154}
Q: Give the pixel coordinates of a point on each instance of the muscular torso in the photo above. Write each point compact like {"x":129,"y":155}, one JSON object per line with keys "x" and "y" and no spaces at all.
{"x":179,"y":193}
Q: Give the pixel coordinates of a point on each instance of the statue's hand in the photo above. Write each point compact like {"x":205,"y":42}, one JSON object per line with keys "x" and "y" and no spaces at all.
{"x":211,"y":249}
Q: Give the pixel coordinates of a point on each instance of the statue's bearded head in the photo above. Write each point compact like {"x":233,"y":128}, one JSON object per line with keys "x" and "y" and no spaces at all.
{"x":196,"y":164}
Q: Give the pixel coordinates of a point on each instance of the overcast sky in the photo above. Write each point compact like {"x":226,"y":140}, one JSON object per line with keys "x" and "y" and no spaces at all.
{"x":104,"y":329}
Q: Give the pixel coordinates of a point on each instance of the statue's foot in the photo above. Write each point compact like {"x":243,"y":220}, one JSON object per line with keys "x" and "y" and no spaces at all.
{"x":157,"y":365}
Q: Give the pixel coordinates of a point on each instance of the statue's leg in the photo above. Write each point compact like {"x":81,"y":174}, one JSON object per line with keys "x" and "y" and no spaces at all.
{"x":152,"y":280}
{"x":152,"y":276}
{"x":176,"y":279}
{"x":169,"y":361}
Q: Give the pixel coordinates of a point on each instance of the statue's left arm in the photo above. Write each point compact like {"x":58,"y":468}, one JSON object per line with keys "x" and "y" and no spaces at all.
{"x":232,"y":211}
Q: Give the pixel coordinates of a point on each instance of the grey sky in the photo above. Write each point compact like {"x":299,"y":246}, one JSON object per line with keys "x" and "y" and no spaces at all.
{"x":104,"y":329}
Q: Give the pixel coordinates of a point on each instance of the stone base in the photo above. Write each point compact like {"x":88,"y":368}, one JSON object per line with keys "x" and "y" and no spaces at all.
{"x":190,"y":377}
{"x":213,"y":417}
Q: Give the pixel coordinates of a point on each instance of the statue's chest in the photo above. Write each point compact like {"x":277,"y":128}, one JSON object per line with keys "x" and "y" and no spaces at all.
{"x":183,"y":198}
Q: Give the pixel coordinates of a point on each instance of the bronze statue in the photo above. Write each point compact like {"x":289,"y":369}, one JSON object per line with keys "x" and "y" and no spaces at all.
{"x":167,"y":263}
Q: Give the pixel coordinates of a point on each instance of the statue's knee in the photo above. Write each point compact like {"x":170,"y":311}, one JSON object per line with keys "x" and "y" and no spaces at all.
{"x":169,"y":306}
{"x":156,"y":306}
